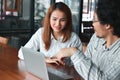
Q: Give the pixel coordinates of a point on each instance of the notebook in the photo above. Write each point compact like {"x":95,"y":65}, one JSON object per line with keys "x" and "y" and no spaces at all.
{"x":35,"y":64}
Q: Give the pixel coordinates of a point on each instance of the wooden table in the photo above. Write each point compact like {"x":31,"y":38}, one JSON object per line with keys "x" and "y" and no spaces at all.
{"x":11,"y":68}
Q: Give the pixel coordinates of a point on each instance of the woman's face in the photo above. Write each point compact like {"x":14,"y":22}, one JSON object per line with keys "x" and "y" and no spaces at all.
{"x":100,"y":29}
{"x":58,"y":21}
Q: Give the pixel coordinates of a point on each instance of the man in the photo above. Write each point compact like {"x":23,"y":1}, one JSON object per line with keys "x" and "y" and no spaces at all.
{"x":101,"y":60}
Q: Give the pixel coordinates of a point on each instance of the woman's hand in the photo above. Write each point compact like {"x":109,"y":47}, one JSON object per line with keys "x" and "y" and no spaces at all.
{"x":52,"y":60}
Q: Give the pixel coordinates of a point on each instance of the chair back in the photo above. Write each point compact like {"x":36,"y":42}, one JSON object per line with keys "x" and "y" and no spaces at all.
{"x":3,"y":41}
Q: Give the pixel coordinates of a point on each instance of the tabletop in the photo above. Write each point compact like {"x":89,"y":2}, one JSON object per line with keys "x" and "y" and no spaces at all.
{"x":12,"y":68}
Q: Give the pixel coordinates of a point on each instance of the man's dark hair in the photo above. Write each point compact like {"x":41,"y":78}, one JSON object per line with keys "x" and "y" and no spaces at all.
{"x":108,"y":12}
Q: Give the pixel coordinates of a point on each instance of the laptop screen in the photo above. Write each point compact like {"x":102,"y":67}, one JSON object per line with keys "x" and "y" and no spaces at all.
{"x":35,"y":64}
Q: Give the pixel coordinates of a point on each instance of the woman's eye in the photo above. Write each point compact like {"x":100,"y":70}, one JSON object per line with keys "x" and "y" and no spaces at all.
{"x":63,"y":20}
{"x":54,"y":19}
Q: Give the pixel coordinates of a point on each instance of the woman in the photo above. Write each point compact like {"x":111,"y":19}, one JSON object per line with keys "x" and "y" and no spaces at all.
{"x":55,"y":34}
{"x":101,"y":61}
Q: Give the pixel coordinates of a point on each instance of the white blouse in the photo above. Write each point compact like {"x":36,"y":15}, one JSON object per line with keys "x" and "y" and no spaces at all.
{"x":36,"y":43}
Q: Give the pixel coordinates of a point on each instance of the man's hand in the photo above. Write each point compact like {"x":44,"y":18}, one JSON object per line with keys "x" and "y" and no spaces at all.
{"x":65,"y":52}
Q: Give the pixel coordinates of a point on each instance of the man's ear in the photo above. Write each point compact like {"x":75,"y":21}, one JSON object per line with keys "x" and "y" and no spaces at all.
{"x":108,"y":26}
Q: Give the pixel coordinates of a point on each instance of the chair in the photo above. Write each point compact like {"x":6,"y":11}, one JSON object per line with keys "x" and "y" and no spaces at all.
{"x":3,"y":41}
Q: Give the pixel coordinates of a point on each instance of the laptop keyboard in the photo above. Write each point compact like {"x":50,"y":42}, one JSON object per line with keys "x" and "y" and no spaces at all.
{"x":58,"y":74}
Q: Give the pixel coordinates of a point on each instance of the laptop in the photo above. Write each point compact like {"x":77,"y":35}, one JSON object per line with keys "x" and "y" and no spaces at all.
{"x":35,"y":64}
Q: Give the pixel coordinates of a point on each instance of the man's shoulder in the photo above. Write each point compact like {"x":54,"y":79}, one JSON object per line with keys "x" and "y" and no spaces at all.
{"x":96,"y":42}
{"x":96,"y":38}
